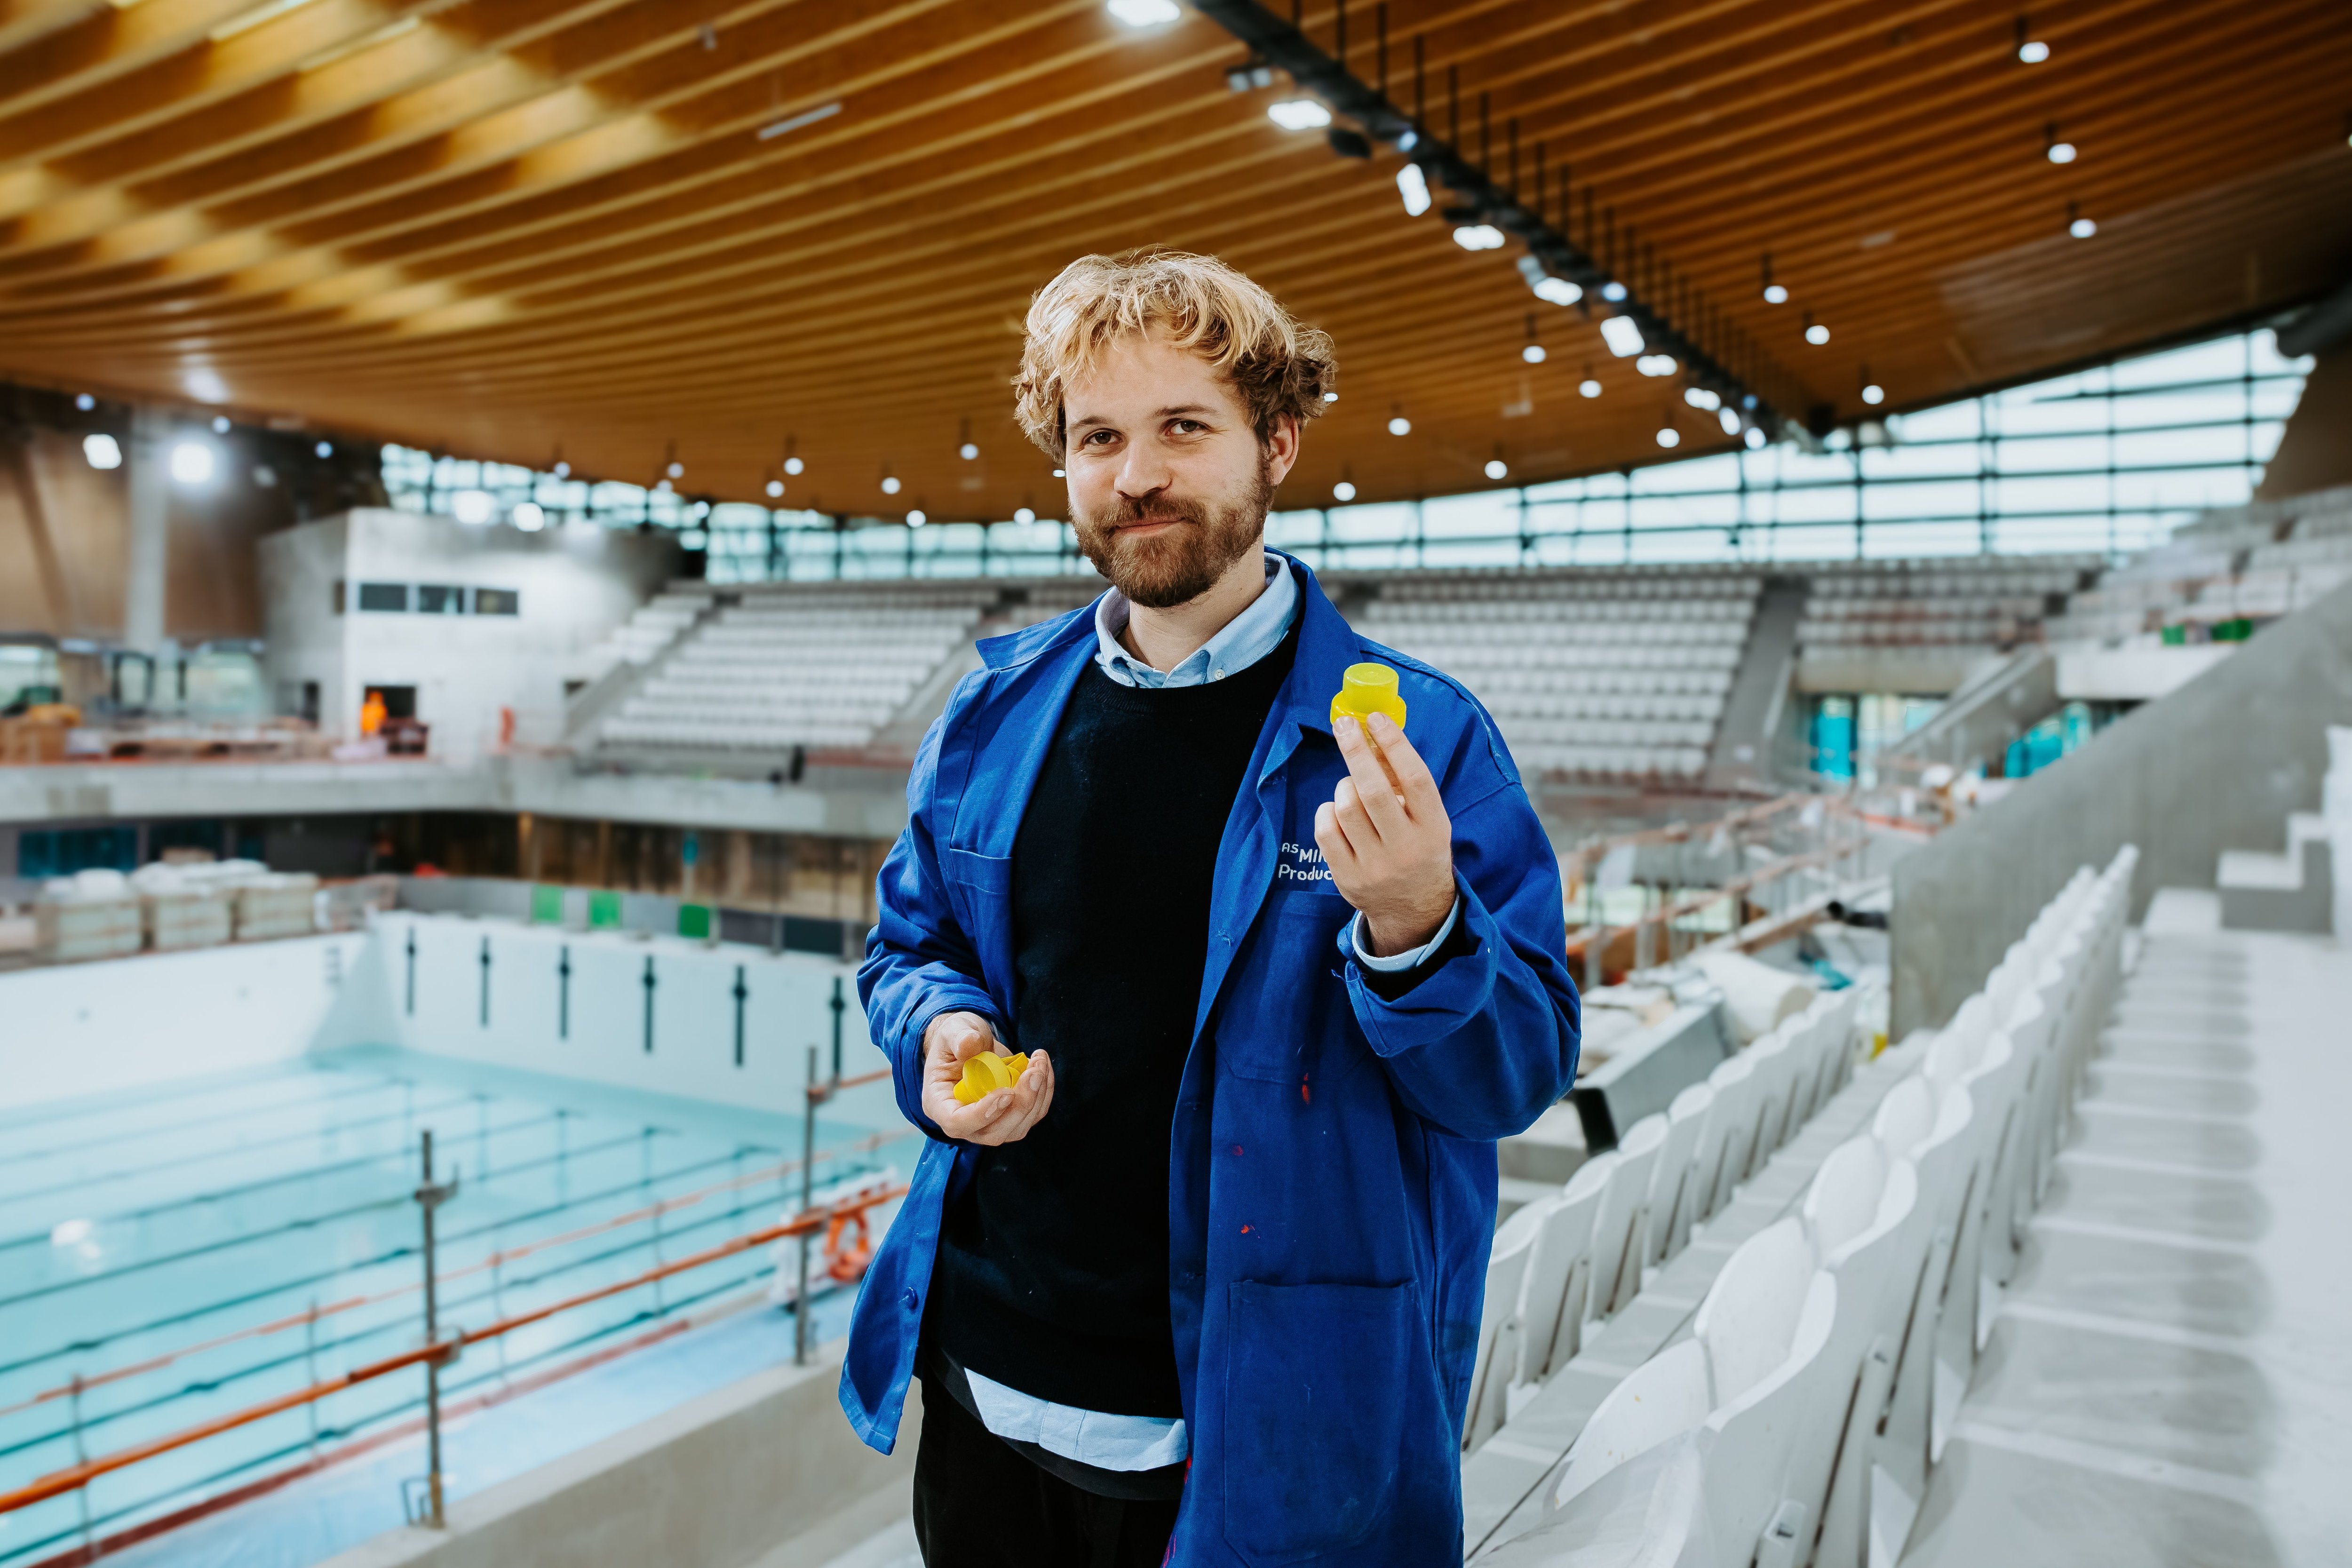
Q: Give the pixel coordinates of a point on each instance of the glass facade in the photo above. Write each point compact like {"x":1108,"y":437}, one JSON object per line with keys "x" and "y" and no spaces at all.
{"x":2109,"y":459}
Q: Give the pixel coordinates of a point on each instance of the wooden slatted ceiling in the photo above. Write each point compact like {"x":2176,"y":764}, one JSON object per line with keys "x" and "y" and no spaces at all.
{"x":505,"y":228}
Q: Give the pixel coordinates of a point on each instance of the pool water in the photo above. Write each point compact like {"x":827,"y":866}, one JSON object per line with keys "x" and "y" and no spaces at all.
{"x":169,"y":1246}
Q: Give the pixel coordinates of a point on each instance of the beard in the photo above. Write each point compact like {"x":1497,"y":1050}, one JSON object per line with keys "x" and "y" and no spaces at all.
{"x":1185,"y":563}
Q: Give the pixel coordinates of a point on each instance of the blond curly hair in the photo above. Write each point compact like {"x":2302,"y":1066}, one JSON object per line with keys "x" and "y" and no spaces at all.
{"x":1276,"y":365}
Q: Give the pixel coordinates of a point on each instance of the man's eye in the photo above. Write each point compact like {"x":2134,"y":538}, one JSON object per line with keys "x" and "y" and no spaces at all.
{"x":1188,"y":427}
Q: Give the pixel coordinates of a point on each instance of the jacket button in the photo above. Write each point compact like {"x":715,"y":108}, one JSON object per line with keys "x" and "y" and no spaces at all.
{"x":908,"y":1298}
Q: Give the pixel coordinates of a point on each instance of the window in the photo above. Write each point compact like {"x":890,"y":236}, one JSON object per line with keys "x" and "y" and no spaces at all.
{"x":440,"y":599}
{"x":388,"y":596}
{"x":497,"y":602}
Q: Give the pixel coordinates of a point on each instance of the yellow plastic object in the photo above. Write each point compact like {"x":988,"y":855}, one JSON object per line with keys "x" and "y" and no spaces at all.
{"x":1366,"y":689}
{"x":988,"y":1072}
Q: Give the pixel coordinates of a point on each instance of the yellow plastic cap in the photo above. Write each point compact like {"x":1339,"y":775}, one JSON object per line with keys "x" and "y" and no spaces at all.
{"x":988,"y":1072}
{"x":1366,"y":689}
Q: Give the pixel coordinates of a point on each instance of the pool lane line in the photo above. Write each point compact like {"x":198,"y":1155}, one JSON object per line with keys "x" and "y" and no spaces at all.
{"x":213,"y":1119}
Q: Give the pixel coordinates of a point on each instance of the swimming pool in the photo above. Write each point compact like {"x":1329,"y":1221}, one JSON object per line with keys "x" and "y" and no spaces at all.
{"x":190,"y":1251}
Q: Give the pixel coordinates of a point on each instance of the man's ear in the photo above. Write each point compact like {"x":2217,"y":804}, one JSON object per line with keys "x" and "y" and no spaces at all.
{"x":1281,"y":447}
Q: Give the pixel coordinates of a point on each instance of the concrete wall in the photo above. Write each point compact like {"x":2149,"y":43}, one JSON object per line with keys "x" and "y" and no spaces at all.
{"x":577,"y":584}
{"x":723,"y":1481}
{"x":77,"y":1029}
{"x":2216,"y":765}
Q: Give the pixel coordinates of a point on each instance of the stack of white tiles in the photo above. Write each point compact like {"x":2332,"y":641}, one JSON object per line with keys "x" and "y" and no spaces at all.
{"x":1798,"y":1423}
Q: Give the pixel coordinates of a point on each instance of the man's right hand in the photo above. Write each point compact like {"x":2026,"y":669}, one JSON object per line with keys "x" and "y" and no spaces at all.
{"x":1001,"y":1116}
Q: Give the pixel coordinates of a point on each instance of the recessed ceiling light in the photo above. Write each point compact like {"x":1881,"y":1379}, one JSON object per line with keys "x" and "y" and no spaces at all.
{"x":1478,"y":236}
{"x":1298,"y":114}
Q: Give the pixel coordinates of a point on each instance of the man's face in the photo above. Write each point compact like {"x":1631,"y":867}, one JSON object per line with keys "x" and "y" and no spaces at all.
{"x":1169,"y":484}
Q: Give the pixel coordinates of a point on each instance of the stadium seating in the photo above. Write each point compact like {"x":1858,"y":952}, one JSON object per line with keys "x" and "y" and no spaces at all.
{"x":1792,"y":1426}
{"x":1978,"y":606}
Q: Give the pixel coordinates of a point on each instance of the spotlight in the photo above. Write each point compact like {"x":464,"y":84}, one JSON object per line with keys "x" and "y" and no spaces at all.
{"x":1815,"y":334}
{"x":1622,"y":334}
{"x":2061,"y":151}
{"x":1024,"y":515}
{"x":1656,"y":364}
{"x":529,"y":516}
{"x":192,"y":463}
{"x":1874,"y":394}
{"x":2077,"y":225}
{"x":1144,"y":12}
{"x":1729,"y":421}
{"x":1400,"y":426}
{"x":472,"y":508}
{"x":102,"y":450}
{"x":776,"y":488}
{"x":1700,"y":397}
{"x":1533,"y":354}
{"x":2033,"y":51}
{"x":1478,"y":236}
{"x":916,"y":518}
{"x":1331,"y":398}
{"x":1413,"y":186}
{"x":794,"y":465}
{"x":890,"y":485}
{"x":85,"y":402}
{"x":220,"y":424}
{"x":1588,"y":387}
{"x":675,"y":470}
{"x":1298,"y":114}
{"x":968,"y":451}
{"x":1774,"y":294}
{"x":1559,"y":291}
{"x":1670,"y":436}
{"x":1496,"y":469}
{"x":563,"y":471}
{"x":1343,"y":490}
{"x":1755,"y":440}
{"x":323,"y":449}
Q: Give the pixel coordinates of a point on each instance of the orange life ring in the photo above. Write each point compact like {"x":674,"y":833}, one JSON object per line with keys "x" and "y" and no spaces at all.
{"x":845,"y":1256}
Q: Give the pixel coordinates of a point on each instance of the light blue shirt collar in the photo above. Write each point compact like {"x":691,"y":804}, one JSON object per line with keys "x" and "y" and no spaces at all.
{"x":1249,"y":636}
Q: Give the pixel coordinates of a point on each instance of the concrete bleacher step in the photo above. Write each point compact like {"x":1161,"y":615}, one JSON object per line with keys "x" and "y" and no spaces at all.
{"x":2290,"y":892}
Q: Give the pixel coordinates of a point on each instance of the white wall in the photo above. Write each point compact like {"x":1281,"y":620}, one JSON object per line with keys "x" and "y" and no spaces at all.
{"x":76,"y":1029}
{"x":576,"y":583}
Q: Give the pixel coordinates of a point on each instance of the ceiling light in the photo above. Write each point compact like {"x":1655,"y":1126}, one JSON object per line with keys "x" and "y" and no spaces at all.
{"x":563,"y":471}
{"x":102,"y":450}
{"x":776,"y":488}
{"x":1700,"y":397}
{"x":220,"y":424}
{"x":1298,"y":114}
{"x":1331,"y":398}
{"x":323,"y":449}
{"x":675,"y":470}
{"x":204,"y":385}
{"x":192,"y":463}
{"x":1400,"y":426}
{"x":1755,"y":440}
{"x":2082,"y":229}
{"x":662,"y":488}
{"x":890,"y":485}
{"x":1816,"y":333}
{"x":1144,"y":12}
{"x":529,"y":516}
{"x":1670,"y":436}
{"x":1478,"y":236}
{"x":968,"y":451}
{"x":1774,"y":294}
{"x":2061,"y":151}
{"x":1413,"y":186}
{"x":1589,"y":387}
{"x":1496,"y":469}
{"x":916,"y":518}
{"x":1533,"y":354}
{"x":85,"y":402}
{"x":1061,"y":473}
{"x":1874,"y":394}
{"x":1023,"y":514}
{"x":472,"y":507}
{"x":1656,"y":364}
{"x":794,"y":465}
{"x":2033,"y":51}
{"x":1612,"y":290}
{"x":1559,"y":291}
{"x":1623,"y":336}
{"x":1343,"y":490}
{"x":1729,"y":421}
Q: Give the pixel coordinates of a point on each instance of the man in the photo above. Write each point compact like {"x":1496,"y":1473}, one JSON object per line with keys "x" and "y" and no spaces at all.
{"x":1204,"y":1285}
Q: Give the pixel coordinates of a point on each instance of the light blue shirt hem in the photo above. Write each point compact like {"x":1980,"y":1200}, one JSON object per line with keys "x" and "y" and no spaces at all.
{"x":1399,"y":963}
{"x":1089,"y":1436}
{"x":1249,"y":636}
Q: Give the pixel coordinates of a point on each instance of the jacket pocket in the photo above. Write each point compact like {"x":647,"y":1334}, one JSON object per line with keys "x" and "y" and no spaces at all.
{"x":979,"y":886}
{"x":1297,"y":1000}
{"x":1315,"y":1381}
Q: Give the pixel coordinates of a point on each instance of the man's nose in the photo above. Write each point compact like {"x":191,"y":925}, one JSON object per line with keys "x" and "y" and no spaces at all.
{"x":1142,"y":474}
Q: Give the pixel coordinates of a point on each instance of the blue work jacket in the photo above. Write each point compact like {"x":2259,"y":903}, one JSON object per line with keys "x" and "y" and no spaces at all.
{"x":1331,"y":1163}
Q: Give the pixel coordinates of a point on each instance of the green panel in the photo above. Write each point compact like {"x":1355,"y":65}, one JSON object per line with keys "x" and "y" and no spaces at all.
{"x":603,"y":911}
{"x":547,"y":906}
{"x":694,"y":920}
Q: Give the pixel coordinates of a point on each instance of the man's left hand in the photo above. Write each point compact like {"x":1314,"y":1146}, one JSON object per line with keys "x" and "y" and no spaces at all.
{"x":1387,"y":839}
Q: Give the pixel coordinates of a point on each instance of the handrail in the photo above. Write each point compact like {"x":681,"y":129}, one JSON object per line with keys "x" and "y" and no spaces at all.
{"x":865,"y":1145}
{"x":1585,"y":936}
{"x":58,"y":1482}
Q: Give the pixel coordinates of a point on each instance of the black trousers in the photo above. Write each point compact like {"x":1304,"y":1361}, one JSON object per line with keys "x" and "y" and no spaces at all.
{"x":980,"y":1504}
